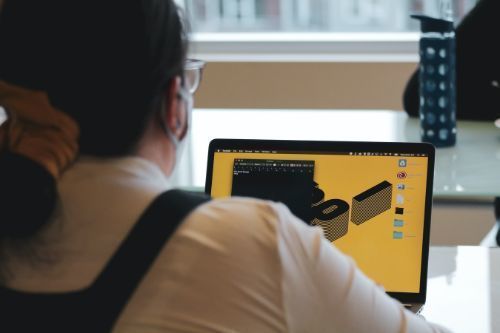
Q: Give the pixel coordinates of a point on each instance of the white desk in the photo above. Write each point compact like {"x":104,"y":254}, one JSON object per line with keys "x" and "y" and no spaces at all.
{"x":469,"y":169}
{"x":463,"y":291}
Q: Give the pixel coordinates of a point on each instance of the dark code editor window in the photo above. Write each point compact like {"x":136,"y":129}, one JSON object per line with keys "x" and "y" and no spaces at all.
{"x":287,"y":181}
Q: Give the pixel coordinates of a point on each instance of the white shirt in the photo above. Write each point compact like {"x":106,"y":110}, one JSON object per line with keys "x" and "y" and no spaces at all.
{"x":234,"y":265}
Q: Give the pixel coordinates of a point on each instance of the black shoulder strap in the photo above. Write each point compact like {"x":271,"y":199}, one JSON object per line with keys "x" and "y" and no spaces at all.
{"x":118,"y":281}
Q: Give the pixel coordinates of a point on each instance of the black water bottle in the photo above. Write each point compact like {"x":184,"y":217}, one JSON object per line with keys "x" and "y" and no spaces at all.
{"x":437,"y":81}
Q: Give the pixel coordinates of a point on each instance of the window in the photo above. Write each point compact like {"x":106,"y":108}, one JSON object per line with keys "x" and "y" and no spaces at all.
{"x":316,"y":15}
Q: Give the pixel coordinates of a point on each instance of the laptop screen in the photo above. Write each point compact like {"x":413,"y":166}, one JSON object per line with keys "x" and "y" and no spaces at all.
{"x":370,"y":199}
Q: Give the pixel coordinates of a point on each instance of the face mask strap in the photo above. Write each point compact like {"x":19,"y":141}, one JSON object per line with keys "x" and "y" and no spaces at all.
{"x":187,"y":97}
{"x":184,"y":95}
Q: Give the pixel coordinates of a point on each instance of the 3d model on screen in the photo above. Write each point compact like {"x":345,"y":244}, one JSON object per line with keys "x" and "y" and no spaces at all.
{"x":333,"y":215}
{"x":371,"y":203}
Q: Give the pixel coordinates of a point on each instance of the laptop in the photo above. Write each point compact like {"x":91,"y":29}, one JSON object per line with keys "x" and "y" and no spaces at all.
{"x":372,"y":199}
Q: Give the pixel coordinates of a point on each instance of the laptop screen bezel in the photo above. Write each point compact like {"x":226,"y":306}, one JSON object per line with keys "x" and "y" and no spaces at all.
{"x":346,"y":146}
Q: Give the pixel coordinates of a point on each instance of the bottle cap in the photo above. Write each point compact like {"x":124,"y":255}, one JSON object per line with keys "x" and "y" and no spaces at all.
{"x":432,"y":24}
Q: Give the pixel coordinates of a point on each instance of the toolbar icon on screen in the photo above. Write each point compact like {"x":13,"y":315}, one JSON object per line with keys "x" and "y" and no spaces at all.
{"x":397,"y":235}
{"x":398,"y":223}
{"x":402,"y":175}
{"x":400,"y":199}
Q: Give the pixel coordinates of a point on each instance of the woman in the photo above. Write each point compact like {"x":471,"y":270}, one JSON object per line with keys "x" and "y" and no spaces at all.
{"x":98,"y":104}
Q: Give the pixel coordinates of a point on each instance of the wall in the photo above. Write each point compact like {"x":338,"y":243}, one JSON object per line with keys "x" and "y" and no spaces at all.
{"x":341,"y":85}
{"x":461,"y":223}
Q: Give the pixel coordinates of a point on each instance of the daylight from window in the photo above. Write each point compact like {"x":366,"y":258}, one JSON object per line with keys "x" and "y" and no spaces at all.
{"x":316,"y":15}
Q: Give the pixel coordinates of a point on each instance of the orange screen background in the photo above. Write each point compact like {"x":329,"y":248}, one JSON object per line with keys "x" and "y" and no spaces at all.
{"x":393,"y":263}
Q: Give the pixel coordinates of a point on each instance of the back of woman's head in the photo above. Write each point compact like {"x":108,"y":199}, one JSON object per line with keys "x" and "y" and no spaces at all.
{"x":106,"y":63}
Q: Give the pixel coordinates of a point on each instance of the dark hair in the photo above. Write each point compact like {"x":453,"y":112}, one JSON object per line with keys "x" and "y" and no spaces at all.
{"x":105,"y":63}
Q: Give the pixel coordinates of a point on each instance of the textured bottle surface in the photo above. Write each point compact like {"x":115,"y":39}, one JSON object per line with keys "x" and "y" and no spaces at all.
{"x":437,"y":89}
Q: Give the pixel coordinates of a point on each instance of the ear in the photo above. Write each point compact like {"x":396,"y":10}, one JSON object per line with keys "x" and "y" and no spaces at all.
{"x":175,"y":111}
